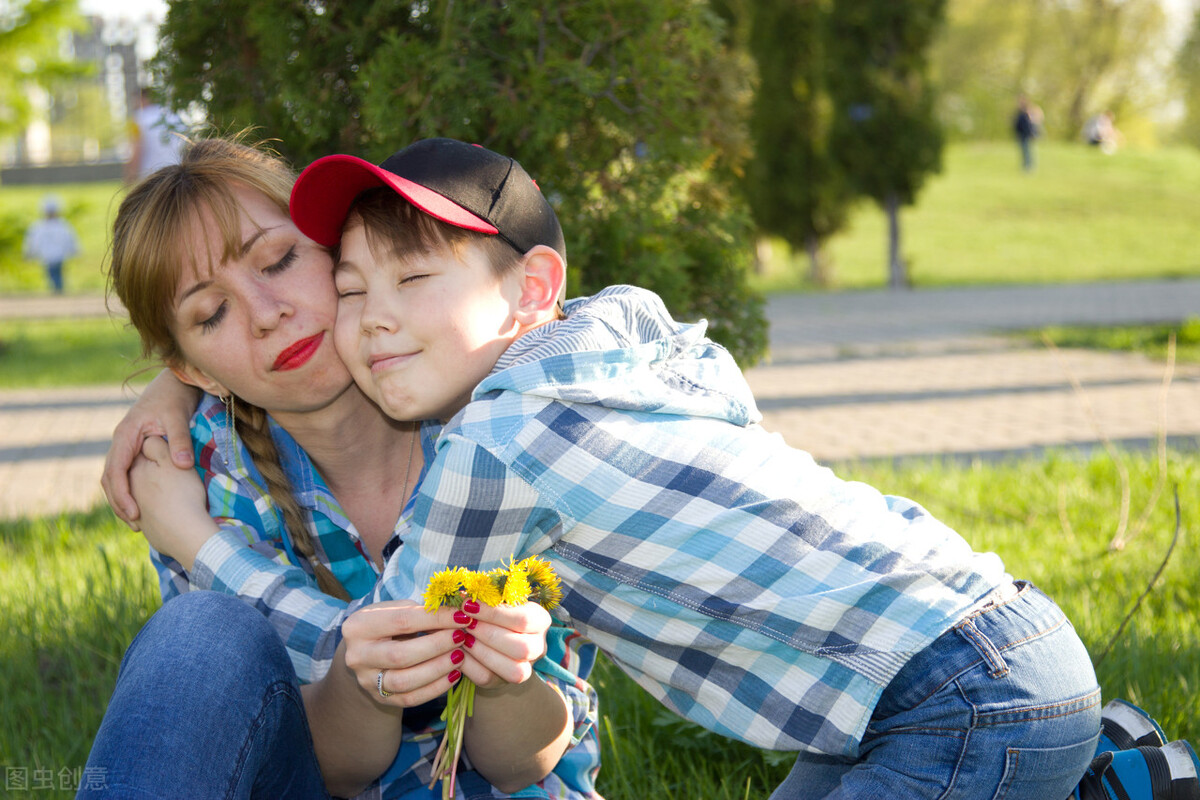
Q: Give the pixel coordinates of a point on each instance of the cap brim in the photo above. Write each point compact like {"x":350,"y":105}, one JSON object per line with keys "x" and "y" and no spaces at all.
{"x":327,"y":187}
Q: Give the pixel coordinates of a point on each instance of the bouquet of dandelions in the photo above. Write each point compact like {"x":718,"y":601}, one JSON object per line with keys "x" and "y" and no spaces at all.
{"x":531,"y":579}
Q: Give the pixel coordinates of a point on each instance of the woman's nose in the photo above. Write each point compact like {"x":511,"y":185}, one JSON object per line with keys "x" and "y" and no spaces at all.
{"x":267,"y":308}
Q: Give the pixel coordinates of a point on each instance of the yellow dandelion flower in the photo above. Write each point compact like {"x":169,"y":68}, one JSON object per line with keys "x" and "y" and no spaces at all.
{"x":516,"y":585}
{"x":499,"y":578}
{"x":443,"y":589}
{"x":539,"y":570}
{"x":548,"y":596}
{"x":547,"y":588}
{"x":480,"y":586}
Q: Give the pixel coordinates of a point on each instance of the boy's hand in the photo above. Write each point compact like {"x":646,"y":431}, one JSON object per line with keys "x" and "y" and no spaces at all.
{"x":173,"y":503}
{"x":164,"y":409}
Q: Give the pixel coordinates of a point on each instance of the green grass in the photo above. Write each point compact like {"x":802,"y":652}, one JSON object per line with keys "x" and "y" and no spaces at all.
{"x":73,"y":592}
{"x":1081,"y":216}
{"x":1149,"y":339}
{"x":75,"y":589}
{"x":89,"y":207}
{"x":68,"y":352}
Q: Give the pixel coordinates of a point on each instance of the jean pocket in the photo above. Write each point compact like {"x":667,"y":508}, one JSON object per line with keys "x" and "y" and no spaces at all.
{"x":1050,"y":772}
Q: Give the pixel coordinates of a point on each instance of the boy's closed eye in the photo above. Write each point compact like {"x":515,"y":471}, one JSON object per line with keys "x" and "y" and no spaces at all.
{"x":413,"y":277}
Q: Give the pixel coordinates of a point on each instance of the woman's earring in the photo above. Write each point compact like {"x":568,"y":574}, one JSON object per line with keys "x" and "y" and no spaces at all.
{"x":230,"y":412}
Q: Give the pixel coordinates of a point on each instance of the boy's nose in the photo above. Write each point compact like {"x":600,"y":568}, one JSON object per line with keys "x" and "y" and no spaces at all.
{"x":377,"y":317}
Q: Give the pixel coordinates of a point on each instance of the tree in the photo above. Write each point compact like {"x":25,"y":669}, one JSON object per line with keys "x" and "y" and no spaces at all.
{"x":795,"y":188}
{"x":1074,"y":58}
{"x":628,"y":112}
{"x":1188,"y":68}
{"x":885,"y":134}
{"x":29,"y":54}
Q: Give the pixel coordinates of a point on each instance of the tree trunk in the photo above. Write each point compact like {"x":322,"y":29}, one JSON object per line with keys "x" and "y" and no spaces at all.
{"x":763,"y":256}
{"x":817,"y":268}
{"x":897,"y":269}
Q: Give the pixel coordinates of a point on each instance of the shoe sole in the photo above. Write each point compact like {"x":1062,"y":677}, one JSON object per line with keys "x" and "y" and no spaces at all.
{"x":1128,"y":726}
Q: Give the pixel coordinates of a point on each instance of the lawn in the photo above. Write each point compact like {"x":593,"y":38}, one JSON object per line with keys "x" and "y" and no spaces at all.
{"x":1153,"y":340}
{"x":68,"y":352}
{"x":1081,"y":216}
{"x":89,"y":207}
{"x":75,"y":589}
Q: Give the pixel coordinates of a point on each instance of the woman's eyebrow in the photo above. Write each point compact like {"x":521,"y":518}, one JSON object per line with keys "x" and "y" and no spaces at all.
{"x":251,"y":240}
{"x":195,"y":288}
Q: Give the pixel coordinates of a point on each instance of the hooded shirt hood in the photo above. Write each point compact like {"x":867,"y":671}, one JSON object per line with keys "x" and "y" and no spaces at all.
{"x":621,"y":349}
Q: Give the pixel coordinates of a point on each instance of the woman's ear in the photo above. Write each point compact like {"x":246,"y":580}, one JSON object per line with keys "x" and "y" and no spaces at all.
{"x":198,"y":378}
{"x":545,"y":275}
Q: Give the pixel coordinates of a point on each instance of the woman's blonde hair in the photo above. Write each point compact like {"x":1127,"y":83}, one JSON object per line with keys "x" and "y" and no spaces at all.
{"x":149,"y":255}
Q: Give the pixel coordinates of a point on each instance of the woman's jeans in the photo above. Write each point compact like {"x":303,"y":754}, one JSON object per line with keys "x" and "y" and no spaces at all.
{"x":1004,"y":705}
{"x":206,"y":705}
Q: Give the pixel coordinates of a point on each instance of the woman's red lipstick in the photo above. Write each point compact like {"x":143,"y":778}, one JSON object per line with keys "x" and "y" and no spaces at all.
{"x":298,"y":353}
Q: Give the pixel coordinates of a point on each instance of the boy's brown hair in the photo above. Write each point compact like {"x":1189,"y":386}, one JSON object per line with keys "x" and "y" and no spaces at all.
{"x":398,"y":228}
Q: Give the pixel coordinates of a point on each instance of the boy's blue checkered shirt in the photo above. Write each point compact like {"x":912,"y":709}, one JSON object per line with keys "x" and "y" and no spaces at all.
{"x":746,"y":587}
{"x":251,"y":558}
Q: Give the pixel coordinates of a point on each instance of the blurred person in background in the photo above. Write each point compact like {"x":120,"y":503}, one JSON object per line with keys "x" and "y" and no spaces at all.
{"x":155,"y":133}
{"x":51,"y":241}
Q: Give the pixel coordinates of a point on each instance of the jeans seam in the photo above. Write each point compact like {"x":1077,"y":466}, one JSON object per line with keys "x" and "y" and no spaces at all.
{"x":269,"y":695}
{"x":1067,"y":707}
{"x":966,"y":739}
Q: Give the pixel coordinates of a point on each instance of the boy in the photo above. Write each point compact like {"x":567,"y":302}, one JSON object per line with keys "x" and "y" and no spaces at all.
{"x":743,"y":585}
{"x":51,"y":241}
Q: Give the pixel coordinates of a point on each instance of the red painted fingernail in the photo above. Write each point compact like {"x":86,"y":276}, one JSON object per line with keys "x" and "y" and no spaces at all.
{"x":474,"y":622}
{"x":461,"y":618}
{"x":454,"y":676}
{"x":469,"y":641}
{"x":457,"y":656}
{"x":459,"y":636}
{"x":471,"y":606}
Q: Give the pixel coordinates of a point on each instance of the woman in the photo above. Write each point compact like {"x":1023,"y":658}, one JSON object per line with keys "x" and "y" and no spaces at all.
{"x":306,"y":482}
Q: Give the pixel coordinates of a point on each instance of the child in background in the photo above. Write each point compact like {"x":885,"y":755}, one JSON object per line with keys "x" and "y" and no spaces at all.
{"x":743,"y":585}
{"x":51,"y":241}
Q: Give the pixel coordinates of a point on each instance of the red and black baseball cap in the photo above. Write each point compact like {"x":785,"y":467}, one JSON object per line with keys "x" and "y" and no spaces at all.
{"x":465,"y":185}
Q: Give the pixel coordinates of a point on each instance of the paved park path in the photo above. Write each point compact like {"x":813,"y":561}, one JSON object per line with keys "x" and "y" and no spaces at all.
{"x":852,"y":375}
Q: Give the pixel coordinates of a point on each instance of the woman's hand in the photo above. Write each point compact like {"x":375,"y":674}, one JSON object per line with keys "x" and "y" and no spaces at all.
{"x":164,"y":409}
{"x":415,"y":650}
{"x":422,"y":654}
{"x":174,"y":507}
{"x":504,"y":643}
{"x":521,"y":726}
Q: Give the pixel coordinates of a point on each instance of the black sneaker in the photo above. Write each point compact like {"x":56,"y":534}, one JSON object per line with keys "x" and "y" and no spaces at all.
{"x":1170,"y":772}
{"x":1124,"y":726}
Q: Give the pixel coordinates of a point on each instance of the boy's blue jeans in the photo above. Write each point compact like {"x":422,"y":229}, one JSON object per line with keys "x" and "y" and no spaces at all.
{"x":206,"y":705}
{"x":1004,"y":705}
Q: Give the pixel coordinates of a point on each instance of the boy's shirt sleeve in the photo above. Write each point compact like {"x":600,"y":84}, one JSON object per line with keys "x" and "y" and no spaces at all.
{"x":246,"y":558}
{"x":471,"y":511}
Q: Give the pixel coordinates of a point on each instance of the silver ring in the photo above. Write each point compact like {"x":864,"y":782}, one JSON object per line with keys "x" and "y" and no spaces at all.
{"x":384,"y":693}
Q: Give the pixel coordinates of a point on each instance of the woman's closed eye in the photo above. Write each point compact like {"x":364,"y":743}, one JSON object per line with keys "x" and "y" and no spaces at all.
{"x":215,"y":319}
{"x":283,"y":263}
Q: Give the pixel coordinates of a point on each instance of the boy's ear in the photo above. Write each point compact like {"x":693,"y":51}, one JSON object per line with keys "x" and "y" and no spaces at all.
{"x":545,"y":275}
{"x":198,"y":378}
